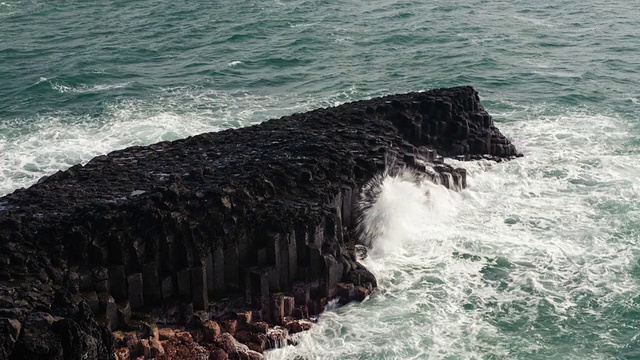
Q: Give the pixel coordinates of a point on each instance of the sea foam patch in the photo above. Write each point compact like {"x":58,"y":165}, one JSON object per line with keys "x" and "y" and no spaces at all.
{"x":32,"y":148}
{"x":534,"y":253}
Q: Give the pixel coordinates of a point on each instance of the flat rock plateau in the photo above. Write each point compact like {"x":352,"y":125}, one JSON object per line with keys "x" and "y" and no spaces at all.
{"x":220,"y":245}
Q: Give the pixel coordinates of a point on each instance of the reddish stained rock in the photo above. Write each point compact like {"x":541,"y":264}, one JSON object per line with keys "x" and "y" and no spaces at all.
{"x":218,"y":354}
{"x":197,"y":335}
{"x":166,"y":333}
{"x":259,"y":327}
{"x":255,"y":341}
{"x":184,"y":337}
{"x":123,"y":354}
{"x":184,"y":352}
{"x":180,"y":347}
{"x":230,"y":326}
{"x":361,"y":293}
{"x":255,"y":347}
{"x":295,"y":327}
{"x":244,"y":318}
{"x":250,"y":355}
{"x":169,"y":350}
{"x":156,"y":349}
{"x":210,"y":330}
{"x":226,"y":342}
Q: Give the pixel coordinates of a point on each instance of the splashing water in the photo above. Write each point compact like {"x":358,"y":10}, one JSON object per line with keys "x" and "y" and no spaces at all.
{"x":400,"y":201}
{"x":536,"y":259}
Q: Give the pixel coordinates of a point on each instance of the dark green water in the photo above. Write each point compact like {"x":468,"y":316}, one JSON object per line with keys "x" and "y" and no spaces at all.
{"x":553,"y":237}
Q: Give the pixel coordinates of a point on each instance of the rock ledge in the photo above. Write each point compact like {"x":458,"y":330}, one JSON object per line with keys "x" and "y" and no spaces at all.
{"x":219,"y":245}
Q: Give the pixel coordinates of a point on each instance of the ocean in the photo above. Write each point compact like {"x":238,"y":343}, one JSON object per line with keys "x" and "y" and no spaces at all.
{"x":537,"y":259}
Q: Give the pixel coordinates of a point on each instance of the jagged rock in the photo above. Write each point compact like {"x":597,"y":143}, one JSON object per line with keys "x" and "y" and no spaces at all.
{"x":165,"y":334}
{"x":155,"y":349}
{"x":211,"y":330}
{"x":37,"y":340}
{"x":218,"y":354}
{"x":123,"y":354}
{"x":230,"y":326}
{"x":9,"y":333}
{"x":250,"y":211}
{"x":277,"y":338}
{"x":295,"y":327}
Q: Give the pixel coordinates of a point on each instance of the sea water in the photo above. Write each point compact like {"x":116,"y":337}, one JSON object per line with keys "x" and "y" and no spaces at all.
{"x":536,"y":259}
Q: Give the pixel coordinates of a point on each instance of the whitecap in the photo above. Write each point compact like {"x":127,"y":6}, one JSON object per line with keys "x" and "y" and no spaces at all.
{"x":83,"y":89}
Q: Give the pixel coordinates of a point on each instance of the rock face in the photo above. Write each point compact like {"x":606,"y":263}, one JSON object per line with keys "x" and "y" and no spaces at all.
{"x":179,"y":227}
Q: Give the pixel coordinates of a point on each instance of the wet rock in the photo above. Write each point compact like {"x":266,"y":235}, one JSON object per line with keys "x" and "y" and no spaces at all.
{"x":260,"y":327}
{"x":277,"y":338}
{"x":123,"y":354}
{"x":226,"y":342}
{"x":165,"y":334}
{"x":184,"y":337}
{"x":211,"y":330}
{"x":295,"y":327}
{"x":155,"y":349}
{"x":278,"y":198}
{"x":230,"y":326}
{"x":9,"y":332}
{"x":361,"y":293}
{"x":218,"y":354}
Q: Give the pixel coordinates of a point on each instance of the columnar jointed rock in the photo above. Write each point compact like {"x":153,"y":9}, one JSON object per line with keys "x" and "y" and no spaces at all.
{"x":238,"y":213}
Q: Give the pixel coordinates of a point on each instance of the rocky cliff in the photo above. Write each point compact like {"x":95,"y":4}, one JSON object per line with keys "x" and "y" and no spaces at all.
{"x":240,"y":227}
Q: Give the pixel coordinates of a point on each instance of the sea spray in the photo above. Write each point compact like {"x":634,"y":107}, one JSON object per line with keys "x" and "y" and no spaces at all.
{"x":397,"y":208}
{"x":535,"y":254}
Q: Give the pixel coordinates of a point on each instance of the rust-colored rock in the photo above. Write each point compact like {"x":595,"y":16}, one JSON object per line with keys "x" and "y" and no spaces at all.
{"x":295,"y":327}
{"x":184,"y":337}
{"x":165,"y":333}
{"x":230,"y":326}
{"x":156,"y":350}
{"x":211,"y":330}
{"x":226,"y":342}
{"x":259,"y":327}
{"x":218,"y":354}
{"x":123,"y":354}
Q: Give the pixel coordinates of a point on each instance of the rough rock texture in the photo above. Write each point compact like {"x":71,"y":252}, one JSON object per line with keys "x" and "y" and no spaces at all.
{"x":177,"y":227}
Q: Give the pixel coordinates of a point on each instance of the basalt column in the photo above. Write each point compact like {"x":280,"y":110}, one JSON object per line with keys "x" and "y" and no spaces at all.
{"x":258,"y":218}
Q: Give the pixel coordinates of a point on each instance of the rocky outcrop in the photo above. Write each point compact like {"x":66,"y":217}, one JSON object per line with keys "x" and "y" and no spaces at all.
{"x":253,"y":225}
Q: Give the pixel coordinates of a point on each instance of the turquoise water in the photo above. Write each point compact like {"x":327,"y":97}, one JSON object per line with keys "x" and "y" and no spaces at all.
{"x":538,"y":259}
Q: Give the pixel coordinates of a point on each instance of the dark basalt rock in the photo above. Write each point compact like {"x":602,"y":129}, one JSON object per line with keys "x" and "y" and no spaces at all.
{"x":238,"y":214}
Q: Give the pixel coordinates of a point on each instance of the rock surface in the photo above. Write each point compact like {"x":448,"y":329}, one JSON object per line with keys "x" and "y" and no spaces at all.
{"x":245,"y":226}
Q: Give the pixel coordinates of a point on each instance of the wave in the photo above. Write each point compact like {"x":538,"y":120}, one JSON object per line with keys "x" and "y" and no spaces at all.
{"x":33,"y":147}
{"x":85,"y":89}
{"x":535,"y":254}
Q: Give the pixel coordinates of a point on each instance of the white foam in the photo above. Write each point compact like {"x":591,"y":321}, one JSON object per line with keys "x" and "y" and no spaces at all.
{"x":52,"y":143}
{"x":84,"y":89}
{"x":234,"y":63}
{"x":527,"y":245}
{"x":32,"y":148}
